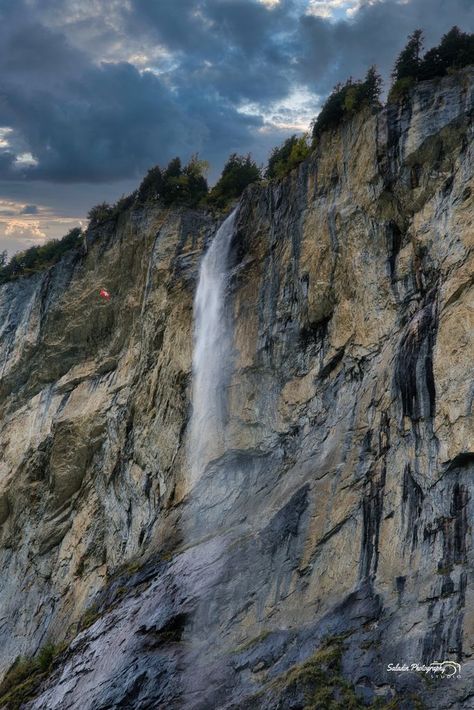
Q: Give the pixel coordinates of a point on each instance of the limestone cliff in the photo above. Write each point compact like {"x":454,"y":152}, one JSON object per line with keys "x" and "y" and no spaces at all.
{"x":330,"y":534}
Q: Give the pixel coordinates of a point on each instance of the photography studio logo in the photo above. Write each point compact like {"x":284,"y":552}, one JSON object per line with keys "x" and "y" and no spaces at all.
{"x":444,"y":669}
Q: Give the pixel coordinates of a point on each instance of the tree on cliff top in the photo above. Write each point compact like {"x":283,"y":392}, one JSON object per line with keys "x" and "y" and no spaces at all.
{"x":408,"y":61}
{"x":455,"y":51}
{"x":238,"y":172}
{"x":151,"y":185}
{"x":287,"y":156}
{"x":347,"y":99}
{"x":99,"y":213}
{"x":185,"y":186}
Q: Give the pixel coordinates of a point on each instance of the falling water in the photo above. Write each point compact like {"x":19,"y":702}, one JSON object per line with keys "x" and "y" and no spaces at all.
{"x":212,"y":352}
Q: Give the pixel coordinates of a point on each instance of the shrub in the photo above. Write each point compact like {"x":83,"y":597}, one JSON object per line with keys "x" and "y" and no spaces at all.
{"x":287,"y":156}
{"x":99,"y":213}
{"x":346,"y":100}
{"x":24,"y":677}
{"x":104,"y":212}
{"x":238,"y":172}
{"x":401,"y":89}
{"x":123,"y":204}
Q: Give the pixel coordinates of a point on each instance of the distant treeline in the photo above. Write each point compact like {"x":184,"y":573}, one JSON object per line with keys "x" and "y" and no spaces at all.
{"x":38,"y":257}
{"x":187,"y":185}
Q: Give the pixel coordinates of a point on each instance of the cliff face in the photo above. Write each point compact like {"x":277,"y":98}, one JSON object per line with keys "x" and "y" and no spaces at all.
{"x":333,"y":518}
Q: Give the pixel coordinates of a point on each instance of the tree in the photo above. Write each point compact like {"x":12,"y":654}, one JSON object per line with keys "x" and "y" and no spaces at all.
{"x":456,"y":50}
{"x":332,"y":110}
{"x":432,"y":65}
{"x":151,"y":185}
{"x":287,"y":156}
{"x":99,"y":213}
{"x":407,"y":65}
{"x":347,"y":99}
{"x":238,"y":172}
{"x":3,"y":258}
{"x":371,"y":87}
{"x":195,"y":182}
{"x":185,"y":186}
{"x":171,"y":185}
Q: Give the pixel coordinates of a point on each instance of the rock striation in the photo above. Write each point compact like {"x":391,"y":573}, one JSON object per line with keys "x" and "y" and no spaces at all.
{"x":330,"y":532}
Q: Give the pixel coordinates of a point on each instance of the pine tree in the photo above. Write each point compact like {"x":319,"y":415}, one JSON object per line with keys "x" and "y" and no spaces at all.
{"x":408,"y":63}
{"x":151,"y":185}
{"x":172,"y":186}
{"x":238,"y":172}
{"x":372,"y":86}
{"x":456,"y":50}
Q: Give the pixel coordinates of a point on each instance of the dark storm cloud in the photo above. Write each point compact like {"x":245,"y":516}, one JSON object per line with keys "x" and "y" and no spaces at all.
{"x":86,"y":120}
{"x":249,"y":52}
{"x":239,"y":47}
{"x":330,"y":52}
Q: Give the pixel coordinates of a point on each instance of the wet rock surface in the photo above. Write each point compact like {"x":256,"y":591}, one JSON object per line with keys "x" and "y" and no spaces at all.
{"x":330,"y":534}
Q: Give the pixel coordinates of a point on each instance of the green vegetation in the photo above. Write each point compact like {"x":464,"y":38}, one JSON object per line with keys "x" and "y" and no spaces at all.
{"x":320,"y":681}
{"x":455,"y":51}
{"x":99,"y":213}
{"x":24,"y":677}
{"x":239,"y":172}
{"x":151,"y":186}
{"x":176,"y":185}
{"x":407,"y":65}
{"x":321,"y":684}
{"x":348,"y":99}
{"x":104,"y":212}
{"x":39,"y":257}
{"x":89,"y":617}
{"x":444,"y":570}
{"x":287,"y":156}
{"x":185,"y":186}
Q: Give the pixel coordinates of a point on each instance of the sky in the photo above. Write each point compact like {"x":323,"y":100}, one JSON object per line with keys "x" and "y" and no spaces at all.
{"x":95,"y":92}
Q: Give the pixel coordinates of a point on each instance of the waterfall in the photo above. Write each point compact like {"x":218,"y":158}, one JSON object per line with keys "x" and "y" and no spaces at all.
{"x":211,"y":353}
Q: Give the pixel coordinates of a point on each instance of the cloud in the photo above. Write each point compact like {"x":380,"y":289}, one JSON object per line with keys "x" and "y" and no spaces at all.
{"x":97,"y":92}
{"x":102,"y":122}
{"x":29,"y":209}
{"x":22,"y":229}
